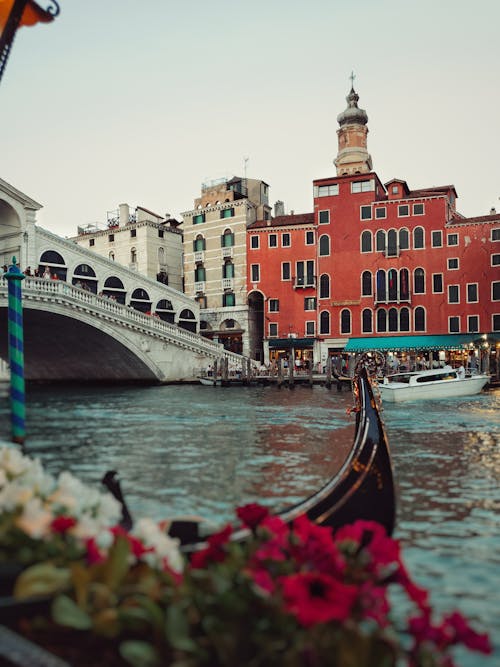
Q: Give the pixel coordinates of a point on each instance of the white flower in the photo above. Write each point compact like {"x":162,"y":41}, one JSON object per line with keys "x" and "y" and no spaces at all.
{"x":165,"y":547}
{"x":35,"y":520}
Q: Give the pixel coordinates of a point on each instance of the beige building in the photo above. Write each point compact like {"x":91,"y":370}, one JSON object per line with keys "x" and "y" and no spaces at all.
{"x":140,"y":240}
{"x":215,"y":257}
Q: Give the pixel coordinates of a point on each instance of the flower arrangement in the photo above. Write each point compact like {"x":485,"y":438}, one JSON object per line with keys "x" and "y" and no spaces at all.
{"x":290,"y":595}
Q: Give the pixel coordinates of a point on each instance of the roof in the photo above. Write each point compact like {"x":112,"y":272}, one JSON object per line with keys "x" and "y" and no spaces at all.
{"x":461,"y":220}
{"x":284,"y":221}
{"x":436,"y":190}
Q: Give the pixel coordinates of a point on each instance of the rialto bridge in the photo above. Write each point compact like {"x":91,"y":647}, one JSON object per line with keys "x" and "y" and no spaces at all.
{"x":91,"y":319}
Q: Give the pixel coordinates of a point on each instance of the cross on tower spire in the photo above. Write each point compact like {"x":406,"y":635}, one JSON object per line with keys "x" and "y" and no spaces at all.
{"x":352,"y":77}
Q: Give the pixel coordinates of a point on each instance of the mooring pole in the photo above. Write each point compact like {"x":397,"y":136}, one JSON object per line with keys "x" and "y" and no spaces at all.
{"x":16,"y":353}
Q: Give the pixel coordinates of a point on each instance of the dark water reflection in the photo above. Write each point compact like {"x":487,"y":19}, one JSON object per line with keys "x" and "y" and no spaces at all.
{"x":193,"y":449}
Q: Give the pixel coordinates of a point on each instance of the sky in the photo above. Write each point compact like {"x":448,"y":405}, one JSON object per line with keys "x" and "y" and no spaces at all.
{"x":120,"y":101}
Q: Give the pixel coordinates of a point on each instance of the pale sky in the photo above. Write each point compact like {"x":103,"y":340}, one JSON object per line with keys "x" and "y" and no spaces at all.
{"x":141,"y":101}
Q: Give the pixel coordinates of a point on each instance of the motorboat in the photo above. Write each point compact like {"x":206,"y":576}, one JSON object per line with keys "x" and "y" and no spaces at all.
{"x":210,"y":381}
{"x":444,"y":382}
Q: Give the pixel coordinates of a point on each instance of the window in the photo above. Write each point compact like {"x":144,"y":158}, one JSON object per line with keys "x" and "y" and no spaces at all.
{"x":324,"y":217}
{"x":419,"y":319}
{"x":380,"y":212}
{"x":392,"y":243}
{"x":254,"y":242}
{"x":310,"y":303}
{"x":473,"y":323}
{"x":228,"y":270}
{"x":133,"y":256}
{"x":403,"y":210}
{"x":366,"y":241}
{"x":380,"y":241}
{"x":199,"y":274}
{"x":472,"y":293}
{"x":228,"y":300}
{"x":404,"y":319}
{"x":285,"y":271}
{"x":286,"y":240}
{"x":274,"y":305}
{"x":161,"y":233}
{"x":362,"y":186}
{"x":495,"y":234}
{"x":324,"y":322}
{"x":495,"y":291}
{"x":395,"y":189}
{"x":380,"y":285}
{"x":437,"y":239}
{"x":404,"y":239}
{"x":91,"y":242}
{"x":392,"y":284}
{"x":418,"y":238}
{"x":255,"y":272}
{"x":381,"y":320}
{"x":453,"y":294}
{"x":133,"y":233}
{"x":452,"y":239}
{"x":201,"y":300}
{"x":310,"y":328}
{"x":366,"y":283}
{"x":161,"y":256}
{"x":111,"y":237}
{"x":199,"y":243}
{"x":273,"y":329}
{"x":326,"y":190}
{"x":495,"y":322}
{"x":112,"y":256}
{"x":273,"y":240}
{"x":305,"y":274}
{"x":324,"y":286}
{"x":227,"y":239}
{"x":452,"y":263}
{"x":393,"y":319}
{"x":324,"y":245}
{"x":419,"y":281}
{"x":345,"y":321}
{"x":198,"y":219}
{"x":227,"y":213}
{"x":454,"y":324}
{"x":367,"y":321}
{"x":437,"y":283}
{"x":404,"y":285}
{"x":495,"y":260}
{"x":309,"y":238}
{"x":418,"y":209}
{"x":365,"y":212}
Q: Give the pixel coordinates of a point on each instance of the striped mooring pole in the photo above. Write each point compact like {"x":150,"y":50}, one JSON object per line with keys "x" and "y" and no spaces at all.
{"x":16,"y":352}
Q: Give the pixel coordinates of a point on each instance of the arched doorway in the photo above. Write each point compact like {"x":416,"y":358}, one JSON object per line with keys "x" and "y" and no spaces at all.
{"x":256,"y":325}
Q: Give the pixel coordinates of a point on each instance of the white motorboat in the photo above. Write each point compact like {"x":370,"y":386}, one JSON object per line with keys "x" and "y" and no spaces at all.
{"x":436,"y":383}
{"x":210,"y":381}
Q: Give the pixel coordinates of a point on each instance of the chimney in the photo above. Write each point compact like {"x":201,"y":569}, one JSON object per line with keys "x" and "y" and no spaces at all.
{"x":493,"y":211}
{"x":279,"y":208}
{"x":124,"y":214}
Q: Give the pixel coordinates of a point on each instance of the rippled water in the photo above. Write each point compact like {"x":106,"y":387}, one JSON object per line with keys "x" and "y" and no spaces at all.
{"x":204,"y":450}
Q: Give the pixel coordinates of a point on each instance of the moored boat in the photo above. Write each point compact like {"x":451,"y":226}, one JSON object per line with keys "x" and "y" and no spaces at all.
{"x":209,"y":381}
{"x":442,"y":382}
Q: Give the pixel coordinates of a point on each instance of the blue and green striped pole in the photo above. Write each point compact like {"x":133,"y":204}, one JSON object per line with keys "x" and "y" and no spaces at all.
{"x":16,"y":353}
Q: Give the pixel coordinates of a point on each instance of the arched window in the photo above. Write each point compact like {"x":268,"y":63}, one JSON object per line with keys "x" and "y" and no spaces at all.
{"x":55,"y":262}
{"x":419,"y":281}
{"x":161,"y":256}
{"x":324,"y":245}
{"x":133,"y":256}
{"x":392,"y":284}
{"x":380,"y":241}
{"x":85,"y":278}
{"x":419,"y":316}
{"x":199,"y":274}
{"x":366,"y":241}
{"x":228,"y":270}
{"x":404,"y":319}
{"x":392,"y":243}
{"x":381,"y":320}
{"x":404,"y":239}
{"x":114,"y":289}
{"x":393,"y":319}
{"x":324,"y":322}
{"x":140,"y":300}
{"x":418,"y":238}
{"x":404,"y":282}
{"x":165,"y":310}
{"x":367,"y":321}
{"x":111,"y":256}
{"x":381,"y":289}
{"x":227,"y":239}
{"x":366,"y":283}
{"x":51,"y":257}
{"x":324,"y":286}
{"x":187,"y":320}
{"x":345,"y":321}
{"x":199,"y":243}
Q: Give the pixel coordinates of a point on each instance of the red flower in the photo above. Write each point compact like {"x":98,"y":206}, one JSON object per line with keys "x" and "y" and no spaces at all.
{"x":317,"y":598}
{"x":263,"y":580}
{"x":93,"y":553}
{"x":61,"y":524}
{"x":215,"y":552}
{"x":463,"y":634}
{"x":315,"y":548}
{"x":252,"y":514}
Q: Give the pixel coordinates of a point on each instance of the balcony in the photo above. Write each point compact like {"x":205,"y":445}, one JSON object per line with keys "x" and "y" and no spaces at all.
{"x":304,"y":283}
{"x":391,"y":300}
{"x":199,"y":256}
{"x":227,"y":283}
{"x":227,"y":252}
{"x":199,"y":286}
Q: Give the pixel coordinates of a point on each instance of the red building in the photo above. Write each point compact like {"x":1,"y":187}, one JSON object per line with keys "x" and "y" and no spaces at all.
{"x":388,"y":262}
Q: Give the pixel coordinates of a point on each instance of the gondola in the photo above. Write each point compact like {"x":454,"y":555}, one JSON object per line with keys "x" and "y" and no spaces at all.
{"x":362,"y":489}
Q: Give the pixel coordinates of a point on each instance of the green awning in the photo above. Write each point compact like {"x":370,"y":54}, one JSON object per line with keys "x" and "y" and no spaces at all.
{"x":288,"y":343}
{"x":444,"y":342}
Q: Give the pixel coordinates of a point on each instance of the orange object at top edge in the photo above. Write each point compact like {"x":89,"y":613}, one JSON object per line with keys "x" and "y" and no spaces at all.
{"x":32,"y":14}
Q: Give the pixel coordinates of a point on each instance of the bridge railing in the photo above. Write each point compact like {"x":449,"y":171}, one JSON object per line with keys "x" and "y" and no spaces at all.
{"x":60,"y":290}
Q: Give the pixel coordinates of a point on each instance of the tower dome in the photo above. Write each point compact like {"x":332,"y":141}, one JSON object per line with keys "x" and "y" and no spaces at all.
{"x":352,"y":156}
{"x":353,"y":114}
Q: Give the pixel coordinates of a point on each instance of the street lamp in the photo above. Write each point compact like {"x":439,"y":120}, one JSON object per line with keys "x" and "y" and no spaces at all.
{"x":15,"y":14}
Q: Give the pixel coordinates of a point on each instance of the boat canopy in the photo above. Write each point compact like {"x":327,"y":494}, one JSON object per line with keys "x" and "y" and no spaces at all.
{"x":442,"y":342}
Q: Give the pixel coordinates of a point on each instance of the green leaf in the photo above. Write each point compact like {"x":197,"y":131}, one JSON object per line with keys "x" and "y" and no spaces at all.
{"x":117,"y":564}
{"x":41,"y":579}
{"x":139,"y":654}
{"x":67,"y":613}
{"x":177,"y":630}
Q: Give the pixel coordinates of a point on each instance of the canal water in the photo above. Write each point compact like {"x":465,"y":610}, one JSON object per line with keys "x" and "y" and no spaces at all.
{"x":205,"y":450}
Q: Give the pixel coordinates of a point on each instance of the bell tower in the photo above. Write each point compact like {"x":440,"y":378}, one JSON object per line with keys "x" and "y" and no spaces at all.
{"x":352,"y":156}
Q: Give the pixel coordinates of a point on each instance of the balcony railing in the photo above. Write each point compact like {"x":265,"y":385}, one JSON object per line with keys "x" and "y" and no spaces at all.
{"x":199,"y":286}
{"x":379,"y":299}
{"x":227,"y":283}
{"x":199,"y":256}
{"x":227,"y":252}
{"x":304,"y":282}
